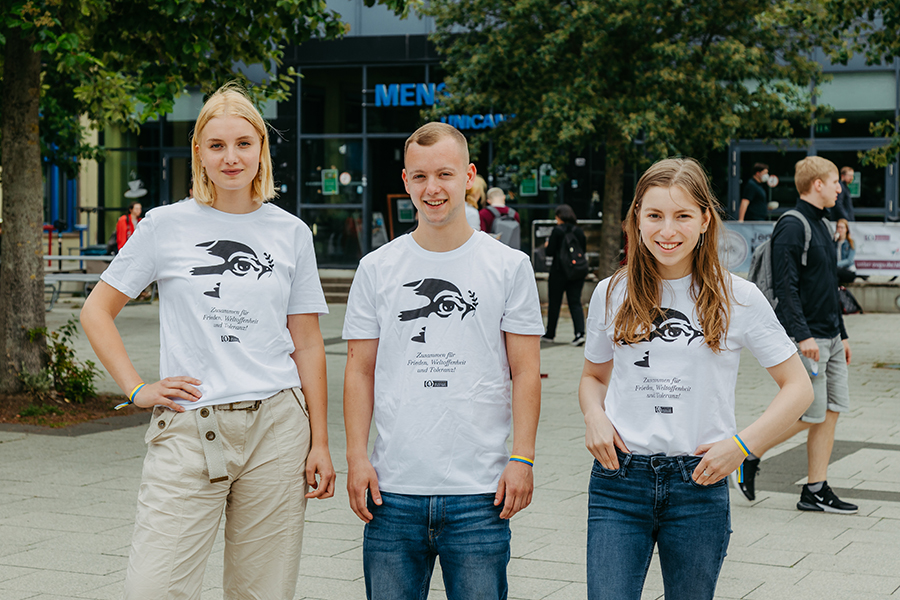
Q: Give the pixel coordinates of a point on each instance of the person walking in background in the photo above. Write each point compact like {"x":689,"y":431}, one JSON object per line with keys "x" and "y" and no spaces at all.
{"x":843,"y":206}
{"x":664,"y":339}
{"x":559,"y":282}
{"x":443,"y":329}
{"x":127,"y":223}
{"x":846,"y":252}
{"x":754,"y":205}
{"x":475,"y":200}
{"x":496,"y":199}
{"x":231,"y":428}
{"x":809,"y":308}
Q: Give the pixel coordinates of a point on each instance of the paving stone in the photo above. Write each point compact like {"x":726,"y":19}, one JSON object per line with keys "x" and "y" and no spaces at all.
{"x":58,"y":582}
{"x":80,"y":492}
{"x":64,"y":559}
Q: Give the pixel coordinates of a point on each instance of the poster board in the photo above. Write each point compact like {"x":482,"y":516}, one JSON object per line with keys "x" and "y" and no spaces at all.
{"x":401,"y":214}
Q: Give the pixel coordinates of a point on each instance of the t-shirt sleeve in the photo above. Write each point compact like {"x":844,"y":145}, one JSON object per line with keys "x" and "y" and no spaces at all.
{"x":522,"y":310}
{"x":361,"y":318}
{"x":598,"y":347}
{"x":306,"y":290}
{"x":135,"y":266}
{"x":759,"y":330}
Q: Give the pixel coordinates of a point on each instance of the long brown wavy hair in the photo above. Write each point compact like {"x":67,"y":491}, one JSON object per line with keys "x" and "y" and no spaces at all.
{"x":710,"y":289}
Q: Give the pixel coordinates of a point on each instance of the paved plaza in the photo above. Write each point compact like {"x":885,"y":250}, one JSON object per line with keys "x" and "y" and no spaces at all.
{"x":67,"y":498}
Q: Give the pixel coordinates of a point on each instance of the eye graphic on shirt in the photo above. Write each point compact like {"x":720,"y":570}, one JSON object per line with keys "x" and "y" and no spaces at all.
{"x":237,"y":259}
{"x":444,"y":300}
{"x":672,"y":325}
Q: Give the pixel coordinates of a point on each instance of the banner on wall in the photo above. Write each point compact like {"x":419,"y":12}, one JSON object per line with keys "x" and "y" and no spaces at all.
{"x":877,"y":246}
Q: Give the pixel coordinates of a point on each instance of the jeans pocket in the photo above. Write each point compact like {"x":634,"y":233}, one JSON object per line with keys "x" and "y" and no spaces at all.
{"x":719,"y":483}
{"x":600,"y":471}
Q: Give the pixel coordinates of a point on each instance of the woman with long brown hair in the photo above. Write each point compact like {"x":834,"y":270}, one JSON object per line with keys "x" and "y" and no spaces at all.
{"x":664,"y":336}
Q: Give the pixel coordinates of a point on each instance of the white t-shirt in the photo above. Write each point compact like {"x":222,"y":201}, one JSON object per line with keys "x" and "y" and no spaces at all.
{"x":442,"y":381}
{"x":472,"y":217}
{"x":226,"y":285}
{"x":672,"y":393}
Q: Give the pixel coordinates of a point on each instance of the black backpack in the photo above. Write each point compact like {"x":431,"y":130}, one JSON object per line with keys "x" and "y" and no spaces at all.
{"x":571,"y":257}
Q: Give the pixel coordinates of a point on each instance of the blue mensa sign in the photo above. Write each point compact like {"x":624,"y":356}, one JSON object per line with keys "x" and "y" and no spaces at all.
{"x":407,"y":94}
{"x":426,"y":94}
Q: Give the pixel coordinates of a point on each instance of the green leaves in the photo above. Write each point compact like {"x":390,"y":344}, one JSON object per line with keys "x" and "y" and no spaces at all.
{"x":667,"y":73}
{"x":124,"y":61}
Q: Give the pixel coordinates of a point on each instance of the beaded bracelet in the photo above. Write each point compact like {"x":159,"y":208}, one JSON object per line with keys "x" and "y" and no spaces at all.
{"x":521,"y":459}
{"x":131,"y":396}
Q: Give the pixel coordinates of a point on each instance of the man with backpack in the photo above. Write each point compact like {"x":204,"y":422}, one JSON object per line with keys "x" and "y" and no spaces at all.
{"x":807,"y":303}
{"x":500,"y":220}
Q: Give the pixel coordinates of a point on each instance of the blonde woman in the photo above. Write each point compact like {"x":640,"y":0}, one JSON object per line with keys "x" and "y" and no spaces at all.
{"x":664,"y":337}
{"x":475,"y":201}
{"x":239,"y":338}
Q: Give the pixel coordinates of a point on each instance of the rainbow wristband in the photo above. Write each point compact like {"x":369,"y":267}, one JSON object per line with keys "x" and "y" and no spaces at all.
{"x":746,"y":451}
{"x":131,"y":396}
{"x":521,"y":459}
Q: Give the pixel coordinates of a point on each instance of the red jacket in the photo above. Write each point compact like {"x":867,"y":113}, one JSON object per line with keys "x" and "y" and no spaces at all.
{"x":124,"y":229}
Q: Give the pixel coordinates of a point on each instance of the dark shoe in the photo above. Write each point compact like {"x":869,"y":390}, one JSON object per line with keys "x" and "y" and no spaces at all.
{"x":747,"y":485}
{"x":546,"y":339}
{"x":824,"y":500}
{"x":579,"y":340}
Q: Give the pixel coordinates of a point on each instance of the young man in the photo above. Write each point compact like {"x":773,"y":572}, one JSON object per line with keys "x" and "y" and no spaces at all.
{"x":754,"y":206}
{"x":843,"y":207}
{"x":809,"y":308}
{"x":436,"y":334}
{"x":496,"y":198}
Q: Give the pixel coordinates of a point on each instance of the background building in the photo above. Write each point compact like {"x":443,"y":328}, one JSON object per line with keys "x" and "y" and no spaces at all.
{"x":338,"y":146}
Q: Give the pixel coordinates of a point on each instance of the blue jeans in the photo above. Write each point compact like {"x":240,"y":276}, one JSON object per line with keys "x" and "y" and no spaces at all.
{"x":653,"y":500}
{"x":406,"y":533}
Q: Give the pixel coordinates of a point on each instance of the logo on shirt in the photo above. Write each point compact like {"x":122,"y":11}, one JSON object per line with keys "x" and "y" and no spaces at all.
{"x":444,"y":300}
{"x":433,"y":383}
{"x":236,"y":258}
{"x":231,"y":338}
{"x":663,"y":410}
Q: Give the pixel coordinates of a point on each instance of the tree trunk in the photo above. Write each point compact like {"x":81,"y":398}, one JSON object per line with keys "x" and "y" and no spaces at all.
{"x":611,"y":228}
{"x":21,"y":267}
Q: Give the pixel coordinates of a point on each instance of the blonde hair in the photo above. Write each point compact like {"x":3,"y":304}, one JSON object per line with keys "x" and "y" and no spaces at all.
{"x":430,"y":134}
{"x":811,"y":168}
{"x":231,"y":100}
{"x":475,"y":196}
{"x":710,"y":290}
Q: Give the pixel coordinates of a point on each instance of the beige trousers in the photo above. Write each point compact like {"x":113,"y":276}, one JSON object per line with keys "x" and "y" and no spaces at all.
{"x":263,"y":499}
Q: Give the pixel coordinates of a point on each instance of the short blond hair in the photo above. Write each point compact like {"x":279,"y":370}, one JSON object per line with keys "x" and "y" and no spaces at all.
{"x":811,"y":168}
{"x":430,"y":134}
{"x":231,"y":100}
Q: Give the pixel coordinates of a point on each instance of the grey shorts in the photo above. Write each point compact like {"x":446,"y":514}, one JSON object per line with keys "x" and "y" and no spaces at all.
{"x":830,"y":386}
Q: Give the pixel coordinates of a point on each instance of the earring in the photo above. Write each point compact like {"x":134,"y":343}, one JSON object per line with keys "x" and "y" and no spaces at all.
{"x":203,"y":175}
{"x":700,"y":243}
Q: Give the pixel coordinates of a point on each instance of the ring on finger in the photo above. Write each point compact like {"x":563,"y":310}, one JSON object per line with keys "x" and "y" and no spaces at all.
{"x":705,"y":473}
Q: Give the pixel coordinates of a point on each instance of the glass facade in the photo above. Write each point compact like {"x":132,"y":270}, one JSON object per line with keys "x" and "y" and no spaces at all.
{"x":337,"y":143}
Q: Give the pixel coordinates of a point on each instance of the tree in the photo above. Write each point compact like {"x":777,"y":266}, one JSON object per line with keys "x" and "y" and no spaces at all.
{"x":115,"y":61}
{"x":870,"y":28}
{"x":650,"y":78}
